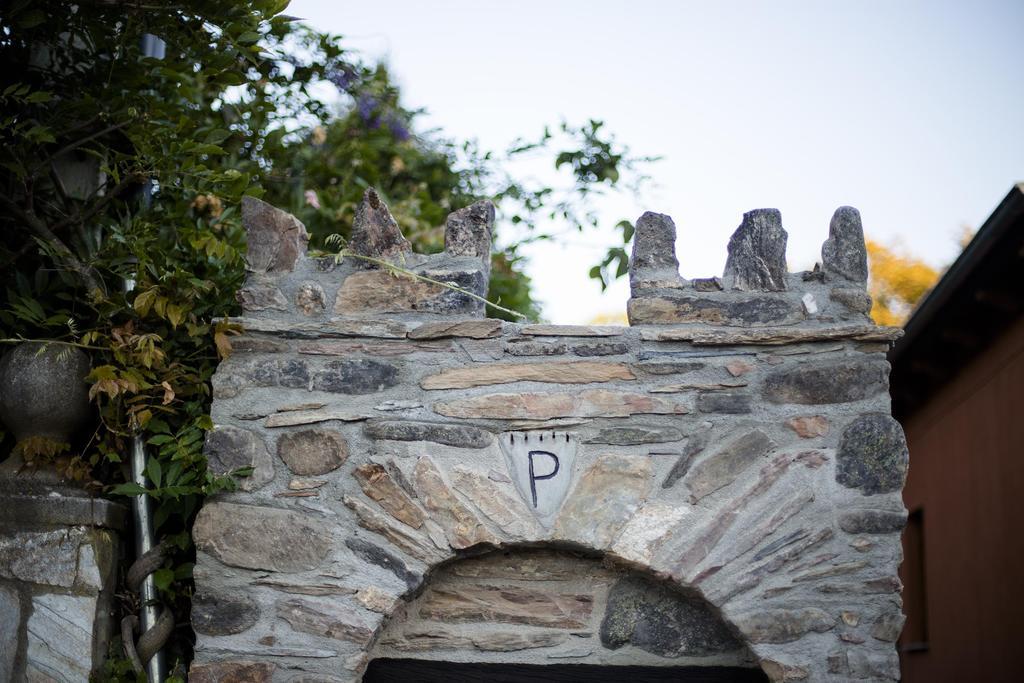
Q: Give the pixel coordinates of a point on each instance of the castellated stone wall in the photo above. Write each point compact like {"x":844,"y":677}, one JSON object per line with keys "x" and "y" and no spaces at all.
{"x":717,"y":484}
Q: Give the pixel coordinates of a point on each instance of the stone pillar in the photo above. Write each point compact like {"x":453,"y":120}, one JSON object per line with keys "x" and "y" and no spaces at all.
{"x":59,"y":553}
{"x":730,"y":458}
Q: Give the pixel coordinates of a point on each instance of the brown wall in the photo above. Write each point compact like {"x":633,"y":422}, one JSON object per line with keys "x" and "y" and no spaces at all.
{"x":967,"y":476}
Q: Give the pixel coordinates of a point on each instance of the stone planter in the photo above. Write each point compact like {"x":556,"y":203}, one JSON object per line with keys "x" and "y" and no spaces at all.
{"x":43,"y":393}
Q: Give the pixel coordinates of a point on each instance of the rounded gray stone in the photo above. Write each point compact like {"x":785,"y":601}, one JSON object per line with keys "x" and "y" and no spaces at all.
{"x":311,"y":299}
{"x":873,"y":455}
{"x":662,"y":620}
{"x":231,"y":448}
{"x":312,"y":452}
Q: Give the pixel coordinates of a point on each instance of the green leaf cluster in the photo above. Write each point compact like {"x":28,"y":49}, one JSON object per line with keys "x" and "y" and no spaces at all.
{"x":120,"y":167}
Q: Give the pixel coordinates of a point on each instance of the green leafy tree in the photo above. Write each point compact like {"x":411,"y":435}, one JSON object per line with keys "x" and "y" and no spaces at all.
{"x":115,"y":165}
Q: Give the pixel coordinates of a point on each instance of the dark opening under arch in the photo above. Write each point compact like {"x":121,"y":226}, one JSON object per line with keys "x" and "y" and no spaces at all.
{"x":426,"y":671}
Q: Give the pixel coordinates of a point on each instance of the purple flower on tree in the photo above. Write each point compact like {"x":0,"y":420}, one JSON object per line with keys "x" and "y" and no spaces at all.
{"x":366,"y":107}
{"x":397,"y":128}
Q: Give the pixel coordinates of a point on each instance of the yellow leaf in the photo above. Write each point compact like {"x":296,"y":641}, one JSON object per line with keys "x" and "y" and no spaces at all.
{"x":168,"y":393}
{"x":223,"y":344}
{"x":144,"y":301}
{"x":175,"y":314}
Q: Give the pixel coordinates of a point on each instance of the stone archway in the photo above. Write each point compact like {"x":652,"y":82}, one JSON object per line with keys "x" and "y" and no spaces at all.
{"x":734,"y":442}
{"x":530,"y":605}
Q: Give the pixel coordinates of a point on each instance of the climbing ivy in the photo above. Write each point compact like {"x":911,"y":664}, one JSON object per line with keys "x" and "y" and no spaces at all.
{"x":119,"y":166}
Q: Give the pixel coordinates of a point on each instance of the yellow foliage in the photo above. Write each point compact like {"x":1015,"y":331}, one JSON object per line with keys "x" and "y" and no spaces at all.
{"x":609,"y":318}
{"x":897,"y":282}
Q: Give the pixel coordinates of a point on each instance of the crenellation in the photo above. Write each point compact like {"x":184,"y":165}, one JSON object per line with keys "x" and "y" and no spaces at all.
{"x":725,"y":465}
{"x":757,"y":253}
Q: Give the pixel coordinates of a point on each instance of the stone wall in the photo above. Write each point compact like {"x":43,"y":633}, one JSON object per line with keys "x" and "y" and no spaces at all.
{"x":726,"y":465}
{"x":58,"y":562}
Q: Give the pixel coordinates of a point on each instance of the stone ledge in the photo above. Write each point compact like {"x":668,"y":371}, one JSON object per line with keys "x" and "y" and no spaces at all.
{"x":59,"y":507}
{"x":771,"y":336}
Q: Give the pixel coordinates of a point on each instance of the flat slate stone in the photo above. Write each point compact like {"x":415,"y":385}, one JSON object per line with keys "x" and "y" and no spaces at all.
{"x":809,"y":426}
{"x":825,"y":383}
{"x":667,"y":367}
{"x":385,"y":348}
{"x":872,"y":521}
{"x":600,"y":349}
{"x":10,"y":620}
{"x":535,"y":605}
{"x":498,"y":503}
{"x":636,"y":435}
{"x":844,"y":255}
{"x":545,"y":406}
{"x":695,"y":445}
{"x":380,"y":557}
{"x":757,"y":253}
{"x":449,"y":434}
{"x":45,"y":557}
{"x":606,"y":496}
{"x":645,"y":532}
{"x":378,"y":485}
{"x":231,"y":672}
{"x":470,"y":329}
{"x":682,"y":308}
{"x":783,"y":626}
{"x":258,"y":296}
{"x":220,"y":614}
{"x":662,"y":620}
{"x":404,"y":537}
{"x":308,"y":617}
{"x":59,"y":636}
{"x":555,"y":372}
{"x":726,"y":402}
{"x":723,"y":466}
{"x":545,"y":330}
{"x":376,"y":291}
{"x":261,"y":538}
{"x":534,"y":348}
{"x":873,"y":455}
{"x":291,"y":418}
{"x":356,"y":376}
{"x":462,"y":526}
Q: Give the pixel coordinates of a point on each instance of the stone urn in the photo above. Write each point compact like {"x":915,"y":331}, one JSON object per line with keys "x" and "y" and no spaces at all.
{"x":43,"y":392}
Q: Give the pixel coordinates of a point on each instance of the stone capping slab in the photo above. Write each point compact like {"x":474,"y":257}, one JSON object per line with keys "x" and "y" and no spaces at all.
{"x":545,"y":330}
{"x":65,"y":508}
{"x":772,"y":336}
{"x":335,"y":327}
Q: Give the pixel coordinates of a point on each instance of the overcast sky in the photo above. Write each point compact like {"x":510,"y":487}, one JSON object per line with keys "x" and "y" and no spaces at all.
{"x":910,"y":111}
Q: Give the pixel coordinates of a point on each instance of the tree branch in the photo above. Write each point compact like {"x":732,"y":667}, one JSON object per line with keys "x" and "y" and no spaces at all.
{"x":33,"y":222}
{"x":77,"y":143}
{"x":107,"y":197}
